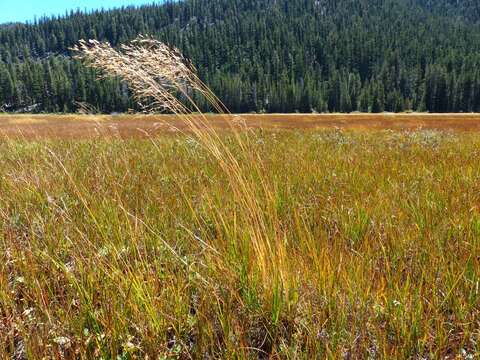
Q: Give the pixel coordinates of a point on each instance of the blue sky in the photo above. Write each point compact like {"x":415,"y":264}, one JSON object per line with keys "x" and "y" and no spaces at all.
{"x":26,"y":10}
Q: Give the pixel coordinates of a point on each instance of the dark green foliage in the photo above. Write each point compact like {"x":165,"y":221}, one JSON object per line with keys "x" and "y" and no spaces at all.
{"x":266,"y":55}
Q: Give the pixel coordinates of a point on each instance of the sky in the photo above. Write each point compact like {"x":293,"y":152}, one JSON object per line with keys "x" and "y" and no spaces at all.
{"x":26,"y":10}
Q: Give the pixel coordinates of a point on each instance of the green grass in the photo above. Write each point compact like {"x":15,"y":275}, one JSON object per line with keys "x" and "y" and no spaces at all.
{"x":365,"y":245}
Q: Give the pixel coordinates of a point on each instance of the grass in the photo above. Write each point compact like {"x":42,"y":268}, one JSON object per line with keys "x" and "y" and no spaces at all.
{"x":360,"y":245}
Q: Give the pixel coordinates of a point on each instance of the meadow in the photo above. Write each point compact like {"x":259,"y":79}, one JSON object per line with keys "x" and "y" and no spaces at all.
{"x":323,"y":243}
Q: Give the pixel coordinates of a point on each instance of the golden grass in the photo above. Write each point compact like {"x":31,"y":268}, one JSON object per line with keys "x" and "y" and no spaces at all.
{"x":160,"y":78}
{"x":133,"y":248}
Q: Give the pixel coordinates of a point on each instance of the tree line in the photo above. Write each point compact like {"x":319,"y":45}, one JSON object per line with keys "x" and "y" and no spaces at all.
{"x":264,"y":55}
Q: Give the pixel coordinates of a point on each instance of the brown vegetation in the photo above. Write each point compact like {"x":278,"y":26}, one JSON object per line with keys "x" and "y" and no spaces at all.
{"x":138,"y":126}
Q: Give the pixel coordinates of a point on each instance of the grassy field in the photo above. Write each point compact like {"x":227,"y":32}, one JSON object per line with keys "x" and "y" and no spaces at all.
{"x":333,"y":244}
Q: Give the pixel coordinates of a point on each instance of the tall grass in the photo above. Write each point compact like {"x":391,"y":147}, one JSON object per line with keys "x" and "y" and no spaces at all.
{"x":245,"y":244}
{"x":159,"y":77}
{"x":133,"y":248}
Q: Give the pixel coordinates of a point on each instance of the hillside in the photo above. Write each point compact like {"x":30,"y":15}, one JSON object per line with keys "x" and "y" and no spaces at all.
{"x":266,"y":55}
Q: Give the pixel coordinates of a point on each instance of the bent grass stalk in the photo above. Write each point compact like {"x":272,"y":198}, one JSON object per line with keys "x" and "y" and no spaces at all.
{"x":157,"y":74}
